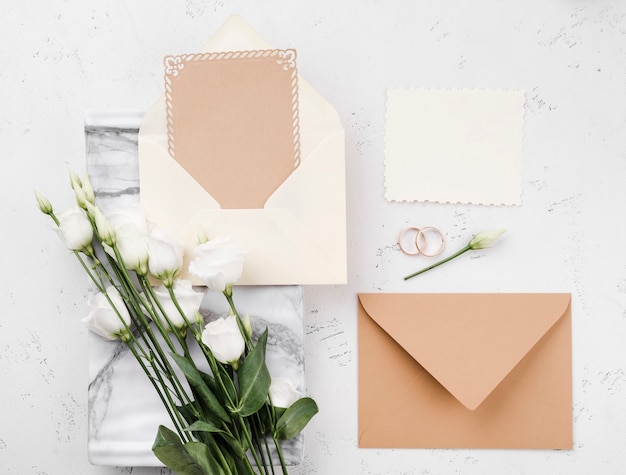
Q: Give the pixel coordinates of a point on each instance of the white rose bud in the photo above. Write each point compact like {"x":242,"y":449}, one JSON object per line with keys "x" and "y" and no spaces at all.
{"x":44,"y":204}
{"x":106,"y":233}
{"x":224,"y":339}
{"x":188,"y":299}
{"x":247,"y":326}
{"x":201,"y":236}
{"x":74,"y":180}
{"x":283,"y":392}
{"x":79,"y":192}
{"x":75,"y":230}
{"x":103,"y":319}
{"x":165,"y":256}
{"x":130,"y":227}
{"x":217,"y":263}
{"x":485,"y":239}
{"x":81,"y":198}
{"x":199,"y":318}
{"x":90,"y":196}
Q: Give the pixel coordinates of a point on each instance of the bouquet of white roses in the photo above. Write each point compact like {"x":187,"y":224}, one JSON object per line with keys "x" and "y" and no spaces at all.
{"x":223,"y":421}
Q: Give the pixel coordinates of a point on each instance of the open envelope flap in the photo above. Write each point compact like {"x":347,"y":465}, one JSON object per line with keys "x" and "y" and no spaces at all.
{"x":468,"y":342}
{"x":304,"y":218}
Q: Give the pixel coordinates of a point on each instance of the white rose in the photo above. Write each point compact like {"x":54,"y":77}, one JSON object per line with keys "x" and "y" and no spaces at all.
{"x":188,"y":299}
{"x":165,"y":256}
{"x":75,"y":230}
{"x":128,"y":215}
{"x":283,"y":392}
{"x":130,"y":228}
{"x":217,"y":263}
{"x":103,"y":319}
{"x":224,"y":339}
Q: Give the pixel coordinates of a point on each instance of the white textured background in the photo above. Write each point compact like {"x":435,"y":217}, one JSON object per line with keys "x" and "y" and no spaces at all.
{"x":59,"y":58}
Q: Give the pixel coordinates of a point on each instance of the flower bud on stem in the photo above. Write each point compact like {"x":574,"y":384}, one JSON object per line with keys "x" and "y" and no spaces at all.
{"x":44,"y":204}
{"x":479,"y":241}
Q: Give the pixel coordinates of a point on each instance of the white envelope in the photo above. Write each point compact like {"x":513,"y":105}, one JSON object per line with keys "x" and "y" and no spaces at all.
{"x":299,"y":237}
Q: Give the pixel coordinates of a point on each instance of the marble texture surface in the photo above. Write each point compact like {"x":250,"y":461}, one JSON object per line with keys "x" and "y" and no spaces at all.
{"x":124,"y":410}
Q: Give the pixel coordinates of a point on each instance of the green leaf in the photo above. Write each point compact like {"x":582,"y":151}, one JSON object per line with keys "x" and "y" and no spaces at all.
{"x":229,"y":460}
{"x":215,"y":389}
{"x":210,"y":381}
{"x":186,"y":410}
{"x":197,"y":382}
{"x":229,"y":385}
{"x":254,"y":379}
{"x":240,"y":466}
{"x":200,"y":453}
{"x":202,"y":426}
{"x":169,"y":449}
{"x":295,"y":418}
{"x":279,"y":411}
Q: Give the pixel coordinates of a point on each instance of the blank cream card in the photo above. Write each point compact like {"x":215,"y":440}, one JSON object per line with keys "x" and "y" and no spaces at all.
{"x":454,"y":146}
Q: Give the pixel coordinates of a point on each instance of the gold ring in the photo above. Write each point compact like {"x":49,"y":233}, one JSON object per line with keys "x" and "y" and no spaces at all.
{"x":401,"y":238}
{"x":421,"y":236}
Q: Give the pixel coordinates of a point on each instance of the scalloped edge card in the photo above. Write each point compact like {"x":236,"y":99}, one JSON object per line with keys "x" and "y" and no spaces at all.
{"x":454,"y":146}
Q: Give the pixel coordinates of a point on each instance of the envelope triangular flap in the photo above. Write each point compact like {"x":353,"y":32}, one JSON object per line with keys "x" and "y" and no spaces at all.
{"x":467,"y":342}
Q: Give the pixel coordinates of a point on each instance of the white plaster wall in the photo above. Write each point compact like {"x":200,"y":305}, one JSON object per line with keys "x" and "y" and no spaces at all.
{"x":59,"y":58}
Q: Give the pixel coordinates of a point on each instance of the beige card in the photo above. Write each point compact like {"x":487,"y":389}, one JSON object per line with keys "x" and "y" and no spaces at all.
{"x":233,"y":122}
{"x":454,"y":146}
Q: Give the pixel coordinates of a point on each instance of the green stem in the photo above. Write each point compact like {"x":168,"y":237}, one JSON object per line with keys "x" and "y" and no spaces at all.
{"x":54,"y":218}
{"x":456,"y":254}
{"x":248,"y":465}
{"x":248,"y":437}
{"x":149,"y":291}
{"x":98,"y":282}
{"x":162,"y":367}
{"x":256,"y":433}
{"x":174,"y":416}
{"x":125,"y":281}
{"x":242,"y":329}
{"x":216,"y":368}
{"x":269,"y":453}
{"x":134,"y":299}
{"x":220,"y":456}
{"x":213,"y":364}
{"x":283,"y":466}
{"x":132,"y":341}
{"x":99,"y":268}
{"x":248,"y":341}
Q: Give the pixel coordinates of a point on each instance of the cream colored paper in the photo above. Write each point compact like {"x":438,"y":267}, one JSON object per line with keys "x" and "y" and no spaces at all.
{"x":454,"y":146}
{"x":299,"y":237}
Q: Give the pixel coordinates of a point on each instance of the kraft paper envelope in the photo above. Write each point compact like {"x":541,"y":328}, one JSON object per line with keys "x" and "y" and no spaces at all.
{"x":298,"y":236}
{"x":465,"y":371}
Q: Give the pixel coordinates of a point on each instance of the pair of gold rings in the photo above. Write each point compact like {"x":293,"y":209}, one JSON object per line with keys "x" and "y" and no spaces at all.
{"x":419,"y":243}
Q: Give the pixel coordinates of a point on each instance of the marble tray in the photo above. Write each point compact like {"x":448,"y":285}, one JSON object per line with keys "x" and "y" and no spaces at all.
{"x":124,"y":411}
